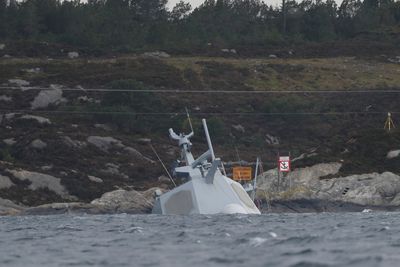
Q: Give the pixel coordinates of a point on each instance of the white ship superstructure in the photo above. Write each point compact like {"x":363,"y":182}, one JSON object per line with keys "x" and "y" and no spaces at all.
{"x":207,"y":190}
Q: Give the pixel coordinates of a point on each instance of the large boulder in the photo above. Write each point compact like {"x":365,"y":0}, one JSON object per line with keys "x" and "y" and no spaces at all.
{"x":47,"y":97}
{"x":393,"y":154}
{"x":42,"y":181}
{"x":118,"y":201}
{"x":374,"y":189}
{"x":104,"y":143}
{"x":73,"y":143}
{"x":9,"y":141}
{"x":312,"y":183}
{"x":5,"y":182}
{"x":127,"y":201}
{"x":7,"y":207}
{"x":305,"y":177}
{"x":38,"y":144}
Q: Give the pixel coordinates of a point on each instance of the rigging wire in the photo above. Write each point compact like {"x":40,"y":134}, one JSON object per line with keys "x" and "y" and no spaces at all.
{"x":179,"y":91}
{"x":198,"y":113}
{"x":162,"y":163}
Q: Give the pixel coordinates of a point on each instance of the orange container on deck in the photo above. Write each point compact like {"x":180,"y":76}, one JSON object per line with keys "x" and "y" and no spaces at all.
{"x":242,"y":174}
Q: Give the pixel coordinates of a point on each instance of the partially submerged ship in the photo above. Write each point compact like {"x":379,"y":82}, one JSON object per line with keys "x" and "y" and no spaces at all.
{"x":207,"y":190}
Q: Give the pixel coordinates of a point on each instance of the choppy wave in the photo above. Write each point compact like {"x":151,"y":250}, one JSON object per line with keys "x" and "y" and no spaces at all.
{"x":293,"y":240}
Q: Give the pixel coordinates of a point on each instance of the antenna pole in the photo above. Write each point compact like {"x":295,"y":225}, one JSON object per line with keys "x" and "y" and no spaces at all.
{"x":253,"y":194}
{"x":190,"y":121}
{"x":210,"y":147}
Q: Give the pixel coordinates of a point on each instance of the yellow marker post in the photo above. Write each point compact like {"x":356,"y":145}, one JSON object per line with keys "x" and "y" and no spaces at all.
{"x":389,"y":124}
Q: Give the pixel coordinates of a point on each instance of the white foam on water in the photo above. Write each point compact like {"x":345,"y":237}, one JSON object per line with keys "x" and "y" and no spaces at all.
{"x":273,"y":235}
{"x":257,"y":241}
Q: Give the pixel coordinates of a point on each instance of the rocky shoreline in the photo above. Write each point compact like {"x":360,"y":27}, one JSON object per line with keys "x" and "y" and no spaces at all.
{"x":7,"y":208}
{"x":318,"y":188}
{"x":118,"y":201}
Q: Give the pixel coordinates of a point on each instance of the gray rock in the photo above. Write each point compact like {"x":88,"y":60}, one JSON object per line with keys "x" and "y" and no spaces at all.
{"x":298,"y":183}
{"x":164,"y":179}
{"x":47,"y":167}
{"x":119,"y":201}
{"x":137,"y":154}
{"x":5,"y":182}
{"x":364,"y":189}
{"x":19,"y":82}
{"x":104,"y":142}
{"x":40,"y":180}
{"x":143,"y":141}
{"x":73,"y":55}
{"x":5,"y":98}
{"x":47,"y":97}
{"x":32,"y":70}
{"x":113,"y":169}
{"x":39,"y":119}
{"x":157,"y":54}
{"x":38,"y":144}
{"x":86,"y":99}
{"x":271,"y":140}
{"x":7,"y":207}
{"x":127,"y":201}
{"x":2,"y":46}
{"x":7,"y":56}
{"x":238,"y":128}
{"x":393,"y":154}
{"x":73,"y":143}
{"x":112,"y":165}
{"x":9,"y":141}
{"x":273,"y":56}
{"x":95,"y":179}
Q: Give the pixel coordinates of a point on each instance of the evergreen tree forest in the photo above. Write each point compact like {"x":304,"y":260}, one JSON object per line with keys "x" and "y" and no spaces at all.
{"x":127,"y":25}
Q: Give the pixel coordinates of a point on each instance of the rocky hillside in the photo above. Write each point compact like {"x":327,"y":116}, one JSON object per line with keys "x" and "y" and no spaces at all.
{"x":61,"y":141}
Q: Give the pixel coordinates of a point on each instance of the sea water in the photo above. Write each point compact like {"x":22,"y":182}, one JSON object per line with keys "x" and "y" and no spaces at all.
{"x":325,"y":239}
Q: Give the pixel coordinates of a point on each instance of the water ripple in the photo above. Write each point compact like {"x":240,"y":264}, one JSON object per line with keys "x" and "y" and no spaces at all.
{"x":288,"y":240}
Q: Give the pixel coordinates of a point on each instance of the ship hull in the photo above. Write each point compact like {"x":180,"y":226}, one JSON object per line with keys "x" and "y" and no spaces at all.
{"x":198,"y":197}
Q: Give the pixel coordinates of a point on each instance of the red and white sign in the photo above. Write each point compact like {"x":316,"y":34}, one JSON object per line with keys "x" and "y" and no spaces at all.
{"x":284,"y":164}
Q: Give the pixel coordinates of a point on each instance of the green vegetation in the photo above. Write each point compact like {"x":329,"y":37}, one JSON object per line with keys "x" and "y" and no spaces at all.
{"x":135,"y":25}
